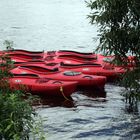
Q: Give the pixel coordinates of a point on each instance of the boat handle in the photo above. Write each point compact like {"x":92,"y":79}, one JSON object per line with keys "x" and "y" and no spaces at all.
{"x":87,"y":76}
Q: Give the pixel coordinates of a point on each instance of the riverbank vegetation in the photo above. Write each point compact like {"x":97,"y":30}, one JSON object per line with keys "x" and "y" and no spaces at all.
{"x":17,"y":116}
{"x":119,"y":34}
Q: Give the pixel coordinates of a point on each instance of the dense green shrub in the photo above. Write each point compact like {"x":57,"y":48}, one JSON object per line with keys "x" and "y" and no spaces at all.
{"x":119,"y":34}
{"x":17,"y":116}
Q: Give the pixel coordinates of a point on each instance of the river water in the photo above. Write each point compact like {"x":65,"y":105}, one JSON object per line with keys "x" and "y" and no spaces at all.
{"x":47,"y":24}
{"x":63,"y":24}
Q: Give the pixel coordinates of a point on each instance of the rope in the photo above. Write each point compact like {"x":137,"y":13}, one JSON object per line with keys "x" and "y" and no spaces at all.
{"x":61,"y":90}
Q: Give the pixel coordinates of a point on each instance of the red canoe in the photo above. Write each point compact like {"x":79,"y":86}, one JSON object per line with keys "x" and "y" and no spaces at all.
{"x":83,"y":80}
{"x":43,"y":86}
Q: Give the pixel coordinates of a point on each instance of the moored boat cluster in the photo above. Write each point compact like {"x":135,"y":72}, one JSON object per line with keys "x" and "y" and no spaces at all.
{"x":61,"y":73}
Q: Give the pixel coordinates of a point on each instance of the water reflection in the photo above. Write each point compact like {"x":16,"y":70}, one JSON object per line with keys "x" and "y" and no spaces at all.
{"x":71,"y":101}
{"x":132,"y":109}
{"x":46,"y":102}
{"x":90,"y":118}
{"x":93,"y":93}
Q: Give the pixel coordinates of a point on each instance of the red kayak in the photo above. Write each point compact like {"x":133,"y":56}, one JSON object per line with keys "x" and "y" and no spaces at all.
{"x":43,"y":64}
{"x":111,"y":72}
{"x":107,"y":60}
{"x":68,"y":52}
{"x":24,"y":56}
{"x":83,"y":80}
{"x":43,"y":86}
{"x":24,"y":52}
{"x":95,"y":69}
{"x":19,"y":60}
{"x":65,"y":56}
{"x":71,"y":57}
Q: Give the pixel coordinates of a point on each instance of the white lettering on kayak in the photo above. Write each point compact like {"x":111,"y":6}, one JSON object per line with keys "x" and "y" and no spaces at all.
{"x":85,"y":69}
{"x":17,"y":80}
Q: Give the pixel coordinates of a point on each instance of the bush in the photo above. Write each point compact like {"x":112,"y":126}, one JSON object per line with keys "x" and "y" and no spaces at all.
{"x":119,"y":34}
{"x":17,"y":116}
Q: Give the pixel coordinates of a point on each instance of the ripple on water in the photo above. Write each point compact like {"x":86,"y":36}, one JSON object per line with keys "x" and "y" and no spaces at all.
{"x":91,"y":118}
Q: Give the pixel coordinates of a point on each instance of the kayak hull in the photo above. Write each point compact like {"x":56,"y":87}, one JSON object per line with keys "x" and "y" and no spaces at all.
{"x":43,"y":86}
{"x":110,"y":72}
{"x":84,"y":80}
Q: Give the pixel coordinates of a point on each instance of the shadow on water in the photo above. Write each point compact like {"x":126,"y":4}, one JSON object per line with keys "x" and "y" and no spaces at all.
{"x":93,"y":93}
{"x":70,"y":101}
{"x":132,"y":108}
{"x":44,"y":102}
{"x":89,"y":114}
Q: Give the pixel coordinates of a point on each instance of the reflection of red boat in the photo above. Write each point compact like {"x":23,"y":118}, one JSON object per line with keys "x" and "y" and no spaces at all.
{"x":82,"y":79}
{"x":43,"y":86}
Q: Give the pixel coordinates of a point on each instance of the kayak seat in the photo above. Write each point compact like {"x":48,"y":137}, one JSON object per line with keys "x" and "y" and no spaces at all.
{"x":26,"y":75}
{"x":51,"y":64}
{"x":26,"y":56}
{"x":84,"y":64}
{"x":41,"y":69}
{"x":84,"y":58}
{"x":76,"y":52}
{"x":71,"y":73}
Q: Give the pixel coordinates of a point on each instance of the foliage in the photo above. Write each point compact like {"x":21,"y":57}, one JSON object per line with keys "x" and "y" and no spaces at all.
{"x":17,"y":116}
{"x":119,"y":33}
{"x":8,"y":44}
